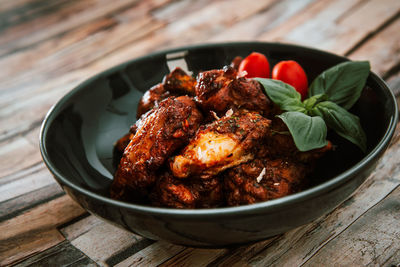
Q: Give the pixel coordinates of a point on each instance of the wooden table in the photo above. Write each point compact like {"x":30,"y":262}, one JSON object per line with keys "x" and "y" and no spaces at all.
{"x":49,"y":46}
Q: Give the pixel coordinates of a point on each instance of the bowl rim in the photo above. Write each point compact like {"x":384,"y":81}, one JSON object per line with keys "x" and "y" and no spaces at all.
{"x":264,"y":207}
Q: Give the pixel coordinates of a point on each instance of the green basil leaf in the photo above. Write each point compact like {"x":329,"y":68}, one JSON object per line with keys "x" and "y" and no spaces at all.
{"x":310,"y":103}
{"x":282,"y":94}
{"x":342,"y":83}
{"x":308,"y":132}
{"x":342,"y":122}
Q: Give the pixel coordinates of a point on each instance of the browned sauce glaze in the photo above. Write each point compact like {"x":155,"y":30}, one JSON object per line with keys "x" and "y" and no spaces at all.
{"x":209,"y":142}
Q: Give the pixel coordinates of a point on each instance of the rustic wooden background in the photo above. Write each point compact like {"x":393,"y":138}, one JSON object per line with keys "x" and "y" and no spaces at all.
{"x":49,"y":46}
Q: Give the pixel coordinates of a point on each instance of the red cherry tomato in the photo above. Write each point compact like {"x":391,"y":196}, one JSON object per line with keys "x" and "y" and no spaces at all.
{"x":256,"y":65}
{"x":292,"y":73}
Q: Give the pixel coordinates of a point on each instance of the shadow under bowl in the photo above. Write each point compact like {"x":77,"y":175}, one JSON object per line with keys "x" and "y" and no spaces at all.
{"x":78,"y":134}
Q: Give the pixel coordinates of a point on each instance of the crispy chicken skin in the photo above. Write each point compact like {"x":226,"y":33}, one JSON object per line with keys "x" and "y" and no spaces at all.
{"x":227,"y":142}
{"x":221,"y":90}
{"x":263,"y":179}
{"x":159,"y":133}
{"x":175,"y":83}
{"x":279,"y":143}
{"x":151,"y":99}
{"x":188,"y":193}
{"x":178,"y":82}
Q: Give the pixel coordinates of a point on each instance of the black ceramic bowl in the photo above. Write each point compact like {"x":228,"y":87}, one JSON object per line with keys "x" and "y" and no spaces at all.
{"x":78,"y":133}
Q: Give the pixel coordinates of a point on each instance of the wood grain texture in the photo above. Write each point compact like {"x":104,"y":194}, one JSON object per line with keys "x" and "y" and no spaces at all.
{"x":370,"y":241}
{"x":35,"y":230}
{"x":43,"y":27}
{"x":104,"y":240}
{"x":20,"y":247}
{"x":17,"y":205}
{"x":152,"y":255}
{"x":17,"y":154}
{"x":198,"y":257}
{"x":48,"y":47}
{"x":326,"y":26}
{"x":80,"y":227}
{"x":382,"y":50}
{"x":37,"y":178}
{"x":63,"y":254}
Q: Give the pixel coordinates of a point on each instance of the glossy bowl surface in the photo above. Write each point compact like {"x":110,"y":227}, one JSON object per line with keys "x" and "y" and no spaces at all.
{"x":78,"y":133}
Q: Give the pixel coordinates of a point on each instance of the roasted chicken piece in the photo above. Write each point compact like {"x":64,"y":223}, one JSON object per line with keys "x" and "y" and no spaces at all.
{"x":263,"y":179}
{"x":159,"y":133}
{"x":227,"y":142}
{"x":151,"y":99}
{"x":178,"y":82}
{"x":122,"y":143}
{"x":187,"y":193}
{"x":221,"y":90}
{"x":279,"y":143}
{"x":175,"y":83}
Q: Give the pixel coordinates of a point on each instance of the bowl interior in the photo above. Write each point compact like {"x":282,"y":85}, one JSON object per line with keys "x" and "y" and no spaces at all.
{"x":80,"y":131}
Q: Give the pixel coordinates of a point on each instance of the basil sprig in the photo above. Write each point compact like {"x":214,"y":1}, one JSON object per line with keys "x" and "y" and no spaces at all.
{"x":329,"y":96}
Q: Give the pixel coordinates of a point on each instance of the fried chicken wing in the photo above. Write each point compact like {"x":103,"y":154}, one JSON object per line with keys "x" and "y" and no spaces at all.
{"x":151,"y":99}
{"x":263,"y":179}
{"x":221,"y":90}
{"x":227,"y":142}
{"x":176,"y":83}
{"x":188,"y":193}
{"x":159,"y":134}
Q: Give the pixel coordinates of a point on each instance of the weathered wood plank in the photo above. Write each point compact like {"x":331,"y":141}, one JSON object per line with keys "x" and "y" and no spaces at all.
{"x":82,"y":45}
{"x":9,"y":5}
{"x":104,"y":240}
{"x":52,"y":65}
{"x":192,"y":256}
{"x":14,"y":116}
{"x":157,"y":253}
{"x":296,"y":246}
{"x":13,"y":113}
{"x":372,"y":240}
{"x":21,"y":174}
{"x":63,"y":254}
{"x":382,"y":50}
{"x":32,"y":57}
{"x":17,"y":205}
{"x":80,"y":227}
{"x":48,"y":215}
{"x":241,"y":255}
{"x":17,"y":154}
{"x":252,"y":27}
{"x":175,"y":10}
{"x":35,"y":230}
{"x":196,"y":26}
{"x":335,"y":25}
{"x":38,"y":178}
{"x":191,"y":28}
{"x":19,"y":248}
{"x":152,"y":255}
{"x":125,"y":253}
{"x":44,"y":27}
{"x":329,"y":9}
{"x":30,"y":11}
